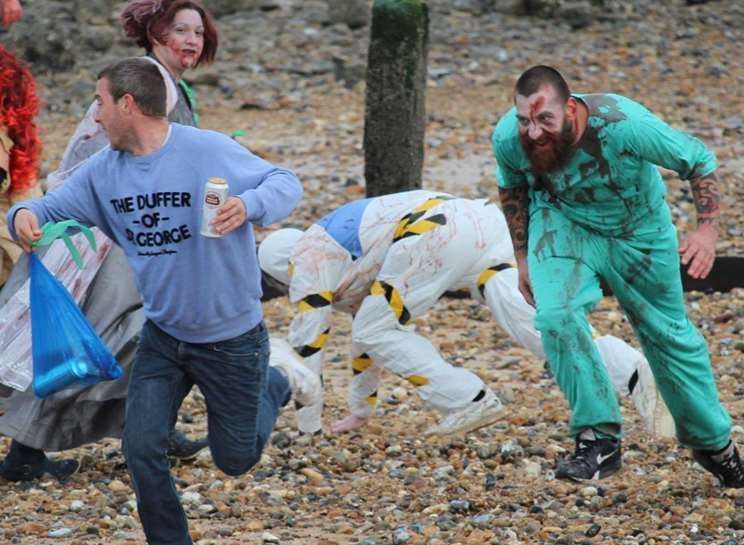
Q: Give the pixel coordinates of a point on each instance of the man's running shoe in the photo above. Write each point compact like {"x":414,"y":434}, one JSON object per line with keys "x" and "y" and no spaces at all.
{"x":474,"y":415}
{"x":593,"y":458}
{"x":183,"y":448}
{"x":726,"y":465}
{"x":61,"y":469}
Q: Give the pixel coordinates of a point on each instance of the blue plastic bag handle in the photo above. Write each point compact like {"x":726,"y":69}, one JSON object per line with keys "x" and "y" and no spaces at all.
{"x":51,"y":231}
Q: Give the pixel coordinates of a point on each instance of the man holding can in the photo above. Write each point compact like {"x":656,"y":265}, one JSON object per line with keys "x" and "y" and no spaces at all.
{"x":202,"y":302}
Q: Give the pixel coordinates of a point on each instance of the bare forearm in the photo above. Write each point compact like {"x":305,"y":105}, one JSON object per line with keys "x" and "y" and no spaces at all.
{"x":515,"y":204}
{"x":707,"y":198}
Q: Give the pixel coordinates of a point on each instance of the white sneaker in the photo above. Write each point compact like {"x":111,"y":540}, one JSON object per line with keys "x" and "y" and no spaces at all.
{"x":650,"y":405}
{"x":474,"y":415}
{"x":309,"y":418}
{"x":304,"y":383}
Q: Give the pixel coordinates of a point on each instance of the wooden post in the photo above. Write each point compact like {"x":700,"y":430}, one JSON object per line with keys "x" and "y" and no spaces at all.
{"x":395,"y":116}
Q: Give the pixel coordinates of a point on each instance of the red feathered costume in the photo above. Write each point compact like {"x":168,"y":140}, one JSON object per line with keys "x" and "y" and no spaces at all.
{"x":20,"y":148}
{"x":18,"y":107}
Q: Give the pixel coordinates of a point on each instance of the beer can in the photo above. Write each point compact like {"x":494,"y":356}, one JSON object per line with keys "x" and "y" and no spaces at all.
{"x":64,"y":375}
{"x":215,"y":196}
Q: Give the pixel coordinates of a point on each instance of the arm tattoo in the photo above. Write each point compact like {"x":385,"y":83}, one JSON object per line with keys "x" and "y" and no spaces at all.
{"x":707,"y":198}
{"x":515,"y":204}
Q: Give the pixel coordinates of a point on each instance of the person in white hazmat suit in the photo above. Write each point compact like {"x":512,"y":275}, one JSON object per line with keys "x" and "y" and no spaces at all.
{"x":387,"y":260}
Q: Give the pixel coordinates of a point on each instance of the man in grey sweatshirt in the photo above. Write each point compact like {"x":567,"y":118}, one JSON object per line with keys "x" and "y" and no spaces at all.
{"x":201,"y":295}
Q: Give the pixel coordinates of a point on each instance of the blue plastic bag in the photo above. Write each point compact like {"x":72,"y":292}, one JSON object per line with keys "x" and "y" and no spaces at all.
{"x":66,"y":350}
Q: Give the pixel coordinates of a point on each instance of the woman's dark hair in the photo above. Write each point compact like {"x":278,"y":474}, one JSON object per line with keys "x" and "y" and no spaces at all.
{"x":147,"y":20}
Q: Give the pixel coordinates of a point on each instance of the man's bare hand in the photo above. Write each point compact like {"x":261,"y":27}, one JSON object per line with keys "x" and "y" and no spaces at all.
{"x":231,"y":216}
{"x":525,"y":286}
{"x":27,"y":228}
{"x":698,"y":249}
{"x":11,"y":11}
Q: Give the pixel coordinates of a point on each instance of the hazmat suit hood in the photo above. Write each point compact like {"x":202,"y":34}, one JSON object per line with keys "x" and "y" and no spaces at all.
{"x":274,"y":253}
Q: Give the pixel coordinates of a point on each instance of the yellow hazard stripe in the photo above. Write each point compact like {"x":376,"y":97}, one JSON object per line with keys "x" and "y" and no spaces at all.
{"x":417,"y":212}
{"x":315,"y":301}
{"x":401,"y":228}
{"x":393,"y":298}
{"x":377,"y":288}
{"x":421,"y":227}
{"x":429,"y":204}
{"x":361,"y":364}
{"x":484,"y":277}
{"x":321,"y":340}
{"x":315,"y":346}
{"x":417,"y":380}
{"x":489,"y":273}
{"x":396,"y":303}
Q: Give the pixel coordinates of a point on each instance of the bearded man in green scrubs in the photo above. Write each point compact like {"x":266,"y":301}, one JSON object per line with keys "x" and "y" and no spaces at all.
{"x":584,"y":201}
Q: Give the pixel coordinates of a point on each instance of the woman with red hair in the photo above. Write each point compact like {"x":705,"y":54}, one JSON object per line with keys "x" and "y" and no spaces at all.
{"x":180,"y":35}
{"x":177,"y":35}
{"x":20,"y":148}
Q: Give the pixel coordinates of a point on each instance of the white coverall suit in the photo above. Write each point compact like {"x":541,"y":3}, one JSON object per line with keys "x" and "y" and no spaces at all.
{"x":387,"y":260}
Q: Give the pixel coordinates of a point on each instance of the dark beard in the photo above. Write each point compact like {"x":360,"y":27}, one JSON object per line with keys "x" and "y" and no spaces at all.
{"x":556,"y":155}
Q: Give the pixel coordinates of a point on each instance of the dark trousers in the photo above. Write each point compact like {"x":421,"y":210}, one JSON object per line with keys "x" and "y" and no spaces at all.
{"x":243,"y":397}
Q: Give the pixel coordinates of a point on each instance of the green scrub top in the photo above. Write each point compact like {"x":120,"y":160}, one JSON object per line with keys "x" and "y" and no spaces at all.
{"x":611,"y":184}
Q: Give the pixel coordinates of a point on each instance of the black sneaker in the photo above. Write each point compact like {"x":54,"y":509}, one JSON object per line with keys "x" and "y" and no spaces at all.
{"x":61,"y":469}
{"x":593,"y":459}
{"x":726,"y":465}
{"x":183,"y":448}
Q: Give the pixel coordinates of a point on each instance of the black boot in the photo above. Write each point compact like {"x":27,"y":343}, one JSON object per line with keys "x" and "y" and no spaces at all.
{"x":25,"y":464}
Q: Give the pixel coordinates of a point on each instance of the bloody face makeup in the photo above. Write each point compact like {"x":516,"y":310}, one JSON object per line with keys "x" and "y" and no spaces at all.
{"x":553,"y":152}
{"x":184,"y":42}
{"x":547,"y":134}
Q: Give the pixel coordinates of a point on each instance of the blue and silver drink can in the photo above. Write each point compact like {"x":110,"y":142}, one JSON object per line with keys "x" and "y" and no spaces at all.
{"x":61,"y":376}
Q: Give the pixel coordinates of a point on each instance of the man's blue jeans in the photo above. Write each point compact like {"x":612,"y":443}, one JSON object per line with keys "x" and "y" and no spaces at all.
{"x":243,"y":396}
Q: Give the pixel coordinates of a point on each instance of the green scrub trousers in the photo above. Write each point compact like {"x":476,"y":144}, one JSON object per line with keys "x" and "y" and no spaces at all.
{"x":566,"y":262}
